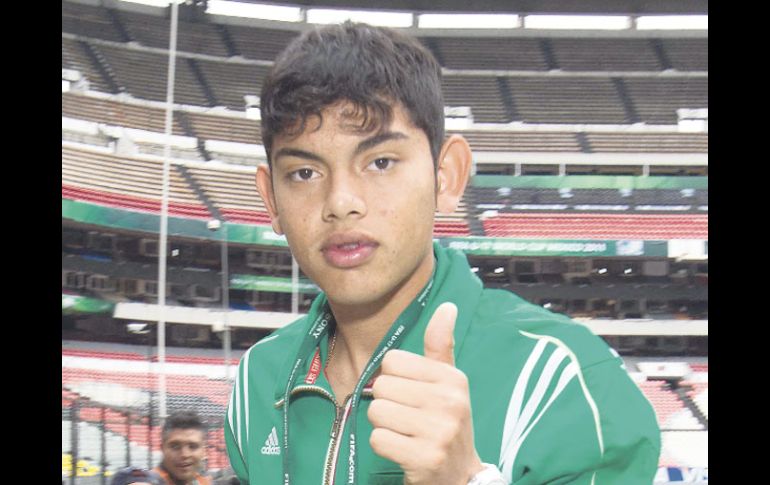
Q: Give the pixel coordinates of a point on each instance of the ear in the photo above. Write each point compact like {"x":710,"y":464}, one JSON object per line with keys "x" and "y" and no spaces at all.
{"x":454,"y":168}
{"x":265,"y":189}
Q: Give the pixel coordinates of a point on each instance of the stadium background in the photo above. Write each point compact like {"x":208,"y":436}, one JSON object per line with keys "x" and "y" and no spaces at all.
{"x":590,"y":197}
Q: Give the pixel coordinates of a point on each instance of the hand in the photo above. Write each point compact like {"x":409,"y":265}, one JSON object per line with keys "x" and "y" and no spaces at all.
{"x":421,"y":412}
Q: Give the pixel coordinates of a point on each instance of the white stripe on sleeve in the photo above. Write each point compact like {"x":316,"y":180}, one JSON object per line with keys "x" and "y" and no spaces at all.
{"x":510,"y":454}
{"x":230,"y":411}
{"x":538,"y":393}
{"x":246,"y":391}
{"x":237,"y":392}
{"x":517,"y":398}
{"x":512,"y":427}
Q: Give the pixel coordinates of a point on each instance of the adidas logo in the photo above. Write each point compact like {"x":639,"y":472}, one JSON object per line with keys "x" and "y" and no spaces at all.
{"x":271,"y":444}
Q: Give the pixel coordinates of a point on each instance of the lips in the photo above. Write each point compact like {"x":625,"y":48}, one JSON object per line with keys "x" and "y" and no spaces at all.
{"x":348,"y":250}
{"x":185,"y":471}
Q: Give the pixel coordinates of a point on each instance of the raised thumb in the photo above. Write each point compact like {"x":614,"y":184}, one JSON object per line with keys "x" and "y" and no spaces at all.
{"x":439,"y":336}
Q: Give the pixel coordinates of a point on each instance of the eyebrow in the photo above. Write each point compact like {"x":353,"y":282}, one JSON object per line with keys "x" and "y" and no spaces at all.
{"x":370,"y":142}
{"x":379,"y":138}
{"x":184,"y":442}
{"x":297,"y":153}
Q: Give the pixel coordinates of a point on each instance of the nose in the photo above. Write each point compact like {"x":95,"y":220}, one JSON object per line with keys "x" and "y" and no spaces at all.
{"x":344,"y":199}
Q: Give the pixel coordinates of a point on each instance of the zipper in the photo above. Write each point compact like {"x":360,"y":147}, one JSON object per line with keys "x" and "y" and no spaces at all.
{"x":340,"y":413}
{"x":304,"y":388}
{"x":332,"y":451}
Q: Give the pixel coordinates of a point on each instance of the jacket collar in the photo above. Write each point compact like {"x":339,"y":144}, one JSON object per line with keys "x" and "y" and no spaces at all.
{"x":453,"y":282}
{"x":292,"y":350}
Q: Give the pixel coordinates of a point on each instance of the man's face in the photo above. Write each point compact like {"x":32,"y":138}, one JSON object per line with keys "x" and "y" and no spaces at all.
{"x":183,"y":451}
{"x":357,"y":208}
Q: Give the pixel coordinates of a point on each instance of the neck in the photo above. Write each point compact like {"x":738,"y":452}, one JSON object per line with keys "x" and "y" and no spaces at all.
{"x":360,"y":328}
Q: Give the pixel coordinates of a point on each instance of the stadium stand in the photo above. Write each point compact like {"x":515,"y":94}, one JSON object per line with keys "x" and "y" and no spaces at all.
{"x":698,"y":392}
{"x":566,"y":100}
{"x":89,"y":21}
{"x":488,"y":54}
{"x":547,"y":96}
{"x":481,"y":93}
{"x":193,"y":37}
{"x":506,"y":200}
{"x":604,"y":55}
{"x":654,"y":98}
{"x":597,"y":226}
{"x":686,"y":54}
{"x":234,"y":129}
{"x":116,"y":444}
{"x":75,"y":55}
{"x":496,"y":53}
{"x":232,"y":192}
{"x":520,"y":141}
{"x":116,"y":113}
{"x":568,"y":54}
{"x":104,"y":178}
{"x":231,"y":81}
{"x":262,"y":43}
{"x":214,"y":394}
{"x":648,"y":142}
{"x":143,"y":74}
{"x":493,"y":99}
{"x":671,"y":411}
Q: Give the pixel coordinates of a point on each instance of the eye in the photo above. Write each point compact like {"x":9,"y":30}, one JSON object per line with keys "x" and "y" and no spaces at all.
{"x":303,"y":174}
{"x":381,"y":164}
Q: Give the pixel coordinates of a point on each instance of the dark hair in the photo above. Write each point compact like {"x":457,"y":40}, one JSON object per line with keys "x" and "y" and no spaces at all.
{"x":128,"y":475}
{"x":182,"y":420}
{"x":370,"y":67}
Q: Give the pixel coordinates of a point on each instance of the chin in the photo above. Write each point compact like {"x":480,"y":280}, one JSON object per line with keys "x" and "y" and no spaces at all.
{"x":186,"y":476}
{"x":356,"y":292}
{"x":353,"y":296}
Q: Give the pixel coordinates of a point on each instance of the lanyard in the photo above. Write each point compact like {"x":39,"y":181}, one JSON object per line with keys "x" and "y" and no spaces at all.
{"x":318,"y":329}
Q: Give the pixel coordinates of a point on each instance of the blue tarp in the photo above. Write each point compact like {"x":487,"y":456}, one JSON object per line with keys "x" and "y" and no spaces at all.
{"x":681,"y":474}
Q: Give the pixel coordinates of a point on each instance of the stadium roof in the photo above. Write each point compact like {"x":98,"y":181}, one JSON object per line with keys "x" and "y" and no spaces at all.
{"x":648,"y":7}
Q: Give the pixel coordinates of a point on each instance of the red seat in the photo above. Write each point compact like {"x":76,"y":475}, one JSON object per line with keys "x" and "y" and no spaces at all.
{"x":598,"y":226}
{"x":132,"y":202}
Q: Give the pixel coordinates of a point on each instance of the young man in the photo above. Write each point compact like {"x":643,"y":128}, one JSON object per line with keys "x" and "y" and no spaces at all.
{"x":183,"y":442}
{"x":406,"y":370}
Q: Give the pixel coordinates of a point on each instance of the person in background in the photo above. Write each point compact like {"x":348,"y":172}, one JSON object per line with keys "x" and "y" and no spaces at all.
{"x":135,"y":476}
{"x":184,"y":448}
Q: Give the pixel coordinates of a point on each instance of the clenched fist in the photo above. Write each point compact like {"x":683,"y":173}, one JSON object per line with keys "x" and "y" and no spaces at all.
{"x":421,"y":412}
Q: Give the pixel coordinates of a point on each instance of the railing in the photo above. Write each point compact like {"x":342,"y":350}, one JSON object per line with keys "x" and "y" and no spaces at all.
{"x":102,"y":439}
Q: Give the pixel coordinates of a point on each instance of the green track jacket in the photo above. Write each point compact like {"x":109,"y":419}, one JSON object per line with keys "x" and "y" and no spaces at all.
{"x":551,"y":402}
